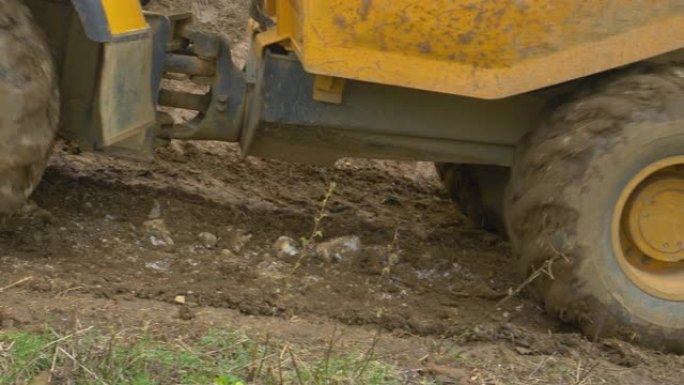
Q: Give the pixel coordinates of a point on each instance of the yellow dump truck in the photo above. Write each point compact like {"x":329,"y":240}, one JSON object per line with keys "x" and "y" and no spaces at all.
{"x":561,"y":122}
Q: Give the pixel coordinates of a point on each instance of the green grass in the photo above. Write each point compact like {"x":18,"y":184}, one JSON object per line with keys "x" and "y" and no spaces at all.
{"x":220,"y":357}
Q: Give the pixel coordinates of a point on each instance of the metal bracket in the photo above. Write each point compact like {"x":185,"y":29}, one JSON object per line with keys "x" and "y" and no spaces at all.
{"x":205,"y":59}
{"x":328,"y":89}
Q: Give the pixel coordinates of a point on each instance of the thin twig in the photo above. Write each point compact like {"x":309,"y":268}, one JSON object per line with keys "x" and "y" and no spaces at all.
{"x":63,"y":292}
{"x":368,"y":356}
{"x":309,"y":243}
{"x":30,"y":364}
{"x":53,"y":365}
{"x":86,"y":369}
{"x":67,"y":337}
{"x":492,"y":295}
{"x":328,"y":352}
{"x":541,"y":365}
{"x":544,"y":269}
{"x":263,"y":357}
{"x":280,"y":366}
{"x":587,"y":374}
{"x":19,"y":282}
{"x":296,"y":368}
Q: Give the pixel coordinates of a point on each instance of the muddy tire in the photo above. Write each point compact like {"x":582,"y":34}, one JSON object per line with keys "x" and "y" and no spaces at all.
{"x":567,"y":180}
{"x":478,"y":190}
{"x":28,"y":102}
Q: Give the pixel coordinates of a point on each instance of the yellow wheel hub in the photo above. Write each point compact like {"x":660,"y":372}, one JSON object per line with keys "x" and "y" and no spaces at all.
{"x":648,"y":229}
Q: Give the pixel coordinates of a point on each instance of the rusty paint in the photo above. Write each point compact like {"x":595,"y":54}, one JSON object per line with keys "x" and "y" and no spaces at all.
{"x":479,"y":48}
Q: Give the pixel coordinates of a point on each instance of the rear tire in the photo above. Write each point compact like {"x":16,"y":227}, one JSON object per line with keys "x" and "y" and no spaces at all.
{"x":566,"y":185}
{"x":478,"y":190}
{"x":29,"y":105}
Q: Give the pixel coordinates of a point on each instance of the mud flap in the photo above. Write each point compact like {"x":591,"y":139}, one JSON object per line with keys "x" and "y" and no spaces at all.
{"x":126,"y":105}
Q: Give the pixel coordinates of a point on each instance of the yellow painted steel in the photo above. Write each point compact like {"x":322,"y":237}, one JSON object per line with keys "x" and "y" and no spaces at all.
{"x":124,"y":16}
{"x":648,"y":229}
{"x":479,"y":48}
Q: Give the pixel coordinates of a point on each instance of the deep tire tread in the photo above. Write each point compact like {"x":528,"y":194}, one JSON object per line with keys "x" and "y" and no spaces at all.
{"x":30,"y":104}
{"x":541,"y":212}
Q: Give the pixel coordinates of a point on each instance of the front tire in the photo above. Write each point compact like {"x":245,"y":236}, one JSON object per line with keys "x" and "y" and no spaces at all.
{"x":28,"y":102}
{"x":566,"y":201}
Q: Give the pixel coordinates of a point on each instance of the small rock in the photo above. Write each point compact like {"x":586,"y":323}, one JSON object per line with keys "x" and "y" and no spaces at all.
{"x":160,"y":242}
{"x":523,"y":351}
{"x":236,"y":239}
{"x":339,"y":249}
{"x":180,"y":299}
{"x":158,"y":265}
{"x":286,"y":247}
{"x":177,"y":147}
{"x":208,"y":240}
{"x":228,"y":254}
{"x":155,"y":226}
{"x":155,"y":212}
{"x":185,"y":313}
{"x":158,"y":232}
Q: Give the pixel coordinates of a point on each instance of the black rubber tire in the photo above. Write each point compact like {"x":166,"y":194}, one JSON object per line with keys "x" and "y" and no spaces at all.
{"x":565,"y":184}
{"x":478,"y":190}
{"x":29,"y":105}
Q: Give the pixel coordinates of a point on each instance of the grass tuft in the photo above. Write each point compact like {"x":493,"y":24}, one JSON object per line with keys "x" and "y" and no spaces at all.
{"x":218,"y":358}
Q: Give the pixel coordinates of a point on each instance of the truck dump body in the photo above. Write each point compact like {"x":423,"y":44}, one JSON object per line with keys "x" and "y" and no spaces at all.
{"x":483,"y":49}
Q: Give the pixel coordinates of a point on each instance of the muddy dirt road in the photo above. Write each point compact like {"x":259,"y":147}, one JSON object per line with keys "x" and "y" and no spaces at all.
{"x":120,"y":243}
{"x":115,"y":242}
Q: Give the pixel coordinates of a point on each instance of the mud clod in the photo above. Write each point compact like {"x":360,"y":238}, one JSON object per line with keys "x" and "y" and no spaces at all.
{"x":159,"y":235}
{"x":340,"y":249}
{"x":236,"y":239}
{"x":208,"y":240}
{"x":286,"y":247}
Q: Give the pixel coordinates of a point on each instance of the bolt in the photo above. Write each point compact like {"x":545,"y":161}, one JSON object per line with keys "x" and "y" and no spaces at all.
{"x":645,"y":214}
{"x":666,"y":245}
{"x":221,"y":107}
{"x":223,"y":98}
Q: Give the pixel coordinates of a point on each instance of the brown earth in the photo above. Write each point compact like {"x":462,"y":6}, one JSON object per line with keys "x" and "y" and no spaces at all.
{"x":424,"y":281}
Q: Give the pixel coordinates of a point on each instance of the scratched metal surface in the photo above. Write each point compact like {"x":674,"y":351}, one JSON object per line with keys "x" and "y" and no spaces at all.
{"x":479,"y":48}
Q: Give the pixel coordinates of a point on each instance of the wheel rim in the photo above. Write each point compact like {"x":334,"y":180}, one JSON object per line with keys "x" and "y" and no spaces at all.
{"x":648,"y":229}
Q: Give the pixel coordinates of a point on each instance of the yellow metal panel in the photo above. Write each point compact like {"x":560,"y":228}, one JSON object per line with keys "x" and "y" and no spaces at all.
{"x":124,"y":16}
{"x":479,"y":48}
